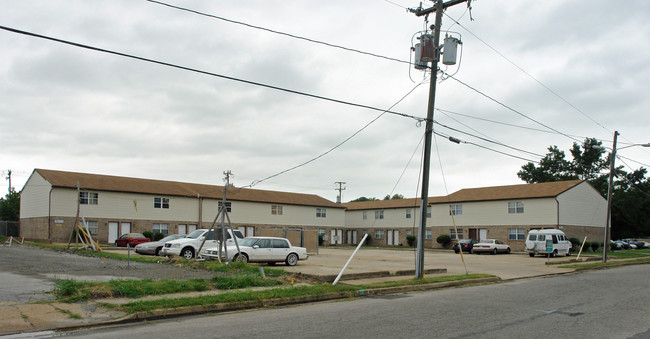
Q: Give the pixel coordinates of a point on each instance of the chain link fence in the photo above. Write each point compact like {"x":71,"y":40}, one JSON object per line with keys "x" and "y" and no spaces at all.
{"x":10,"y":228}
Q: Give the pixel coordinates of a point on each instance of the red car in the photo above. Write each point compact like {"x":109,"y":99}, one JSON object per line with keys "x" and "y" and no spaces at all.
{"x":131,"y":239}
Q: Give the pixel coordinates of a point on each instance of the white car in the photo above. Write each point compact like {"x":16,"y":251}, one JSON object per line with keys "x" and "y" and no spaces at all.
{"x":261,"y":249}
{"x":548,"y":242}
{"x":189,"y":246}
{"x":493,"y":246}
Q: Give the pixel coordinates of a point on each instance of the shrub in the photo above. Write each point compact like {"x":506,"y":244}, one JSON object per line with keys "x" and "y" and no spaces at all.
{"x":575,"y":243}
{"x":148,"y":234}
{"x":586,"y":246}
{"x":158,"y":236}
{"x":444,"y":240}
{"x":410,"y":239}
{"x":612,"y":246}
{"x":595,"y":246}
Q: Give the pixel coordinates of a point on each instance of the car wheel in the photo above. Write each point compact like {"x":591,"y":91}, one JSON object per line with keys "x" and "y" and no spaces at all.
{"x":292,"y":259}
{"x":471,"y":250}
{"x":495,"y":251}
{"x":187,"y":253}
{"x":243,"y":257}
{"x":508,"y":250}
{"x":456,"y":251}
{"x":115,"y":243}
{"x":568,"y":252}
{"x":554,"y":254}
{"x":531,"y":254}
{"x":157,"y":251}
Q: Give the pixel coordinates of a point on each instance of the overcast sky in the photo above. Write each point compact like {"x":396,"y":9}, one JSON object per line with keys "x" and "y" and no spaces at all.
{"x":578,"y":67}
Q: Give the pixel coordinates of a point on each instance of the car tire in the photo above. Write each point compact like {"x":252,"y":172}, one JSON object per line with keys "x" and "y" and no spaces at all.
{"x":243,"y":257}
{"x":292,"y":259}
{"x":495,"y":251}
{"x":471,"y":250}
{"x":116,"y":243}
{"x":187,"y":253}
{"x":157,"y":253}
{"x":456,"y":251}
{"x":568,"y":252}
{"x":508,"y":250}
{"x":531,"y":254}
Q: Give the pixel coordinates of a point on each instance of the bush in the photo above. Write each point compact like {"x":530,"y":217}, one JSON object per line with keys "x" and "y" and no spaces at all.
{"x":586,"y":246}
{"x":158,"y":236}
{"x":595,"y":246}
{"x":612,"y":246}
{"x":444,"y":240}
{"x":148,"y":234}
{"x":575,"y":243}
{"x":410,"y":239}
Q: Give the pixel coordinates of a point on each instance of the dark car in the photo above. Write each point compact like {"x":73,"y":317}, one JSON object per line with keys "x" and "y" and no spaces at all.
{"x":131,"y":239}
{"x":466,"y":244}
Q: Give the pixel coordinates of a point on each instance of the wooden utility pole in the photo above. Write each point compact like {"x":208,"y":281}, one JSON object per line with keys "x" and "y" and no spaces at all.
{"x":438,"y":7}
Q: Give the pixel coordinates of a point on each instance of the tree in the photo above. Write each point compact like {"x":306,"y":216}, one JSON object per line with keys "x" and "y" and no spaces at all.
{"x":394,"y":197}
{"x":10,"y":207}
{"x":363,"y":199}
{"x":630,"y":191}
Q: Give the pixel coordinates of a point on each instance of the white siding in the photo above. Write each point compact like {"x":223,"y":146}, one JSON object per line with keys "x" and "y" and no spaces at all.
{"x":393,"y":218}
{"x":34,"y":198}
{"x":486,"y":213}
{"x":260,"y":213}
{"x":582,"y":206}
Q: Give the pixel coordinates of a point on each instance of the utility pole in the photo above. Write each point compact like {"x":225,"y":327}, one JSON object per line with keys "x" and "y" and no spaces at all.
{"x":438,"y":7}
{"x":609,"y":198}
{"x":340,"y":189}
{"x":9,"y":178}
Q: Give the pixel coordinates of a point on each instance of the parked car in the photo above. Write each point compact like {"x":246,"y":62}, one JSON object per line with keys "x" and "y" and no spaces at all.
{"x":131,"y":239}
{"x":261,"y":249}
{"x":467,"y":245}
{"x":189,"y":246}
{"x":493,"y":246}
{"x":536,"y":243}
{"x":154,"y":247}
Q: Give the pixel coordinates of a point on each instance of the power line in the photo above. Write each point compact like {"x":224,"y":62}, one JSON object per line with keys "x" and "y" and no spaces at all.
{"x":447,"y":136}
{"x":278,"y":32}
{"x":97,"y":49}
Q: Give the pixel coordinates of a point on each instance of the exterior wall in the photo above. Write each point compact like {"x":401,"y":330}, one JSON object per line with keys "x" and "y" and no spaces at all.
{"x":488,"y":213}
{"x":582,"y":205}
{"x":34,"y":198}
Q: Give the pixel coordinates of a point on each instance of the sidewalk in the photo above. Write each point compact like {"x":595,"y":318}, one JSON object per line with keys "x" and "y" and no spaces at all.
{"x":370,"y":265}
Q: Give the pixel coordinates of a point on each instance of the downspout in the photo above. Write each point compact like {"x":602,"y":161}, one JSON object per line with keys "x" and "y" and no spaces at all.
{"x":200,"y":225}
{"x":558,"y":212}
{"x":49,"y":215}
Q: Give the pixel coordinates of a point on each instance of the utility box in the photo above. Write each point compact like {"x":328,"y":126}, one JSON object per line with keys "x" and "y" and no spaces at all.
{"x":449,"y":50}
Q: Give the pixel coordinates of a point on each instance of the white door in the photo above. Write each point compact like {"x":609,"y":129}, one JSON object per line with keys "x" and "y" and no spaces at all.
{"x":182,"y":229}
{"x":482,"y":234}
{"x":112,"y":232}
{"x":354,"y":237}
{"x":389,"y":237}
{"x":339,"y":237}
{"x":126,"y":228}
{"x":250,"y":231}
{"x":396,"y":237}
{"x":333,"y":238}
{"x":191,"y":228}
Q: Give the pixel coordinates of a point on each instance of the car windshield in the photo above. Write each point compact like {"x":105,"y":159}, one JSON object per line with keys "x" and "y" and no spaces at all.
{"x":170,"y":238}
{"x":195,"y":234}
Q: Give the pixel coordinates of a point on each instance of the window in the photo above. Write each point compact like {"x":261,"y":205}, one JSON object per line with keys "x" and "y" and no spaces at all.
{"x":452,"y":233}
{"x":516,"y":234}
{"x":88,"y":198}
{"x":161,"y":228}
{"x":365,"y":215}
{"x":456,"y":209}
{"x":428,"y":211}
{"x":379,"y":214}
{"x":280,"y":243}
{"x":409,"y":213}
{"x":93,"y":226}
{"x":515,"y":207}
{"x":321,"y":212}
{"x":160,"y":202}
{"x":379,"y":234}
{"x":409,"y":232}
{"x":276,"y":209}
{"x":228,"y":206}
{"x":428,"y":235}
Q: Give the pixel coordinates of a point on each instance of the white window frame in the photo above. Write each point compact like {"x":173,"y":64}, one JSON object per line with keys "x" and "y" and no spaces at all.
{"x":428,"y":211}
{"x":379,"y":214}
{"x":160,"y":228}
{"x":409,"y":213}
{"x":452,"y":233}
{"x":321,"y":212}
{"x":365,"y":215}
{"x":516,"y":207}
{"x":516,"y":234}
{"x":276,"y":209}
{"x":428,"y":235}
{"x":93,"y":226}
{"x":228,"y":206}
{"x":379,"y":234}
{"x":456,"y":209}
{"x":88,"y":198}
{"x":161,"y":202}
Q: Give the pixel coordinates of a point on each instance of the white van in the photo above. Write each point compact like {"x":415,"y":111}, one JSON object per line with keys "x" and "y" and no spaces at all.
{"x":536,"y":242}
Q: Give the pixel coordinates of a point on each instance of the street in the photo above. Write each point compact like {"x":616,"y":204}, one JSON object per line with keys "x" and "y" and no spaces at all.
{"x":613,"y":303}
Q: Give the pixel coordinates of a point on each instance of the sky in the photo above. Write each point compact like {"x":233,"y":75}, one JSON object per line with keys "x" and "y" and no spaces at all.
{"x":530,"y":74}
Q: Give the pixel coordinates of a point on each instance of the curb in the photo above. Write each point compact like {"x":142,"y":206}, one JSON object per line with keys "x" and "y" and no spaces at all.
{"x":375,"y":274}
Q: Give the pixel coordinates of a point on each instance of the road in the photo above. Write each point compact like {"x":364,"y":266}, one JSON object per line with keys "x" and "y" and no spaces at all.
{"x":612,"y":303}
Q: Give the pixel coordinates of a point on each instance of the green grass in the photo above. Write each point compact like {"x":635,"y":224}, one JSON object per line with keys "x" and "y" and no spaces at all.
{"x":644,"y":260}
{"x":431,"y":280}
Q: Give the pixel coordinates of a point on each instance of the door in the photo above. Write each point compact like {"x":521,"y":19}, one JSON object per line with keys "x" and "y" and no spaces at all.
{"x":354,"y":237}
{"x":472,"y":233}
{"x":339,"y":237}
{"x":482,"y":234}
{"x":125,"y":228}
{"x":396,"y":237}
{"x":389,"y":237}
{"x":112,"y":232}
{"x":191,"y":228}
{"x":182,"y":229}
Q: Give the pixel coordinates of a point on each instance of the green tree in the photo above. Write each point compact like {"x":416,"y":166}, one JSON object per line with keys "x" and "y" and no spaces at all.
{"x":364,"y":199}
{"x":394,"y":197}
{"x":10,"y":207}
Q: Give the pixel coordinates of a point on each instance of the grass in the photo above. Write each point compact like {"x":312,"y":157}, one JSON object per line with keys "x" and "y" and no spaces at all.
{"x":644,"y":260}
{"x":431,"y":280}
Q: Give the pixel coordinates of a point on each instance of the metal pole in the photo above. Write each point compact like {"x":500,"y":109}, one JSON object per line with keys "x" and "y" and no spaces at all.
{"x":350,"y":259}
{"x":419,"y":262}
{"x":609,"y":198}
